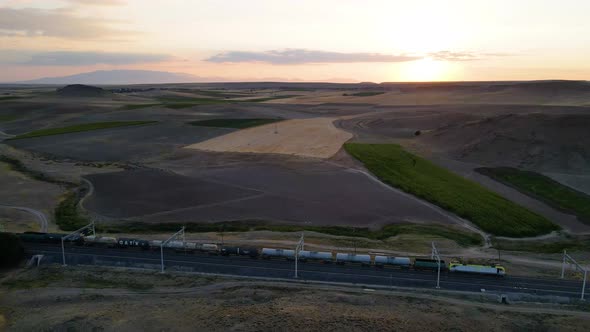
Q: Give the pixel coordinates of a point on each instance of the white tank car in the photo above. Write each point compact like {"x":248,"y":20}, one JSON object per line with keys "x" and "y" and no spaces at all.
{"x":175,"y":245}
{"x":209,"y":247}
{"x":190,"y":246}
{"x":270,"y":252}
{"x":389,"y":260}
{"x":317,"y":255}
{"x":478,"y":269}
{"x":155,"y":243}
{"x":352,"y":258}
{"x":92,"y":239}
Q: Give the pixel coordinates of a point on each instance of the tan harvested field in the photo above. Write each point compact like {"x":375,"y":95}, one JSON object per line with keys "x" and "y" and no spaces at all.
{"x":57,"y":299}
{"x":317,"y":138}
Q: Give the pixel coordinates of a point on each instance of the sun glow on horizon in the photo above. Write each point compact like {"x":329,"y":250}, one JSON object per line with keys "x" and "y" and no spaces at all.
{"x":425,"y":70}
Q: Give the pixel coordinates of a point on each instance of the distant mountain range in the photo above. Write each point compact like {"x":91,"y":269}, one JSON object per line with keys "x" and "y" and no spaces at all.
{"x":115,"y":77}
{"x":125,"y":76}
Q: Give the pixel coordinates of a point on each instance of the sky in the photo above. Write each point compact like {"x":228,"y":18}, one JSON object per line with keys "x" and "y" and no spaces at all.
{"x":299,"y":40}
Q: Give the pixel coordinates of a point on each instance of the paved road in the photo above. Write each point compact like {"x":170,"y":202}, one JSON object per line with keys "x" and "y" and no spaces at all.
{"x":245,"y":266}
{"x":38,"y":214}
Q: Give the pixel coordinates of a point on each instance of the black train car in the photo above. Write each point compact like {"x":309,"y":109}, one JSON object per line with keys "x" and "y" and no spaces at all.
{"x":39,"y":237}
{"x":239,"y":251}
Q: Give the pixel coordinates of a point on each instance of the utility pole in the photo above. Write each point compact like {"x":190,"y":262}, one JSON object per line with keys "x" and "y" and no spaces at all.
{"x":298,"y":248}
{"x":578,"y":267}
{"x":354,"y":239}
{"x":163,"y":244}
{"x":434,"y":254}
{"x":77,"y":232}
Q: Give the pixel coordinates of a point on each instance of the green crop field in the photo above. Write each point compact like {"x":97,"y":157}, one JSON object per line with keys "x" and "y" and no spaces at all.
{"x":6,"y":118}
{"x":233,"y":123}
{"x":79,"y":128}
{"x":550,"y":246}
{"x":488,"y":210}
{"x":186,"y":102}
{"x":263,"y":99}
{"x":138,"y":106}
{"x":9,"y":98}
{"x":543,"y":188}
{"x":366,"y":94}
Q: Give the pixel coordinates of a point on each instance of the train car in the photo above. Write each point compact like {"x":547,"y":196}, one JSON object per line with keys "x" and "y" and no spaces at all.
{"x":135,"y":243}
{"x":342,"y":258}
{"x":268,"y":253}
{"x":176,"y":245}
{"x":322,"y":256}
{"x":211,"y":248}
{"x":106,"y":241}
{"x":34,"y":237}
{"x":429,"y":264}
{"x":478,"y":269}
{"x":39,"y":237}
{"x":249,"y":251}
{"x":190,"y":246}
{"x":239,"y":251}
{"x":380,"y":261}
{"x":155,"y":244}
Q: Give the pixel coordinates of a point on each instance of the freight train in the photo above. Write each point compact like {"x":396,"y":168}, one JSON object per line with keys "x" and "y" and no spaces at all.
{"x":375,"y":260}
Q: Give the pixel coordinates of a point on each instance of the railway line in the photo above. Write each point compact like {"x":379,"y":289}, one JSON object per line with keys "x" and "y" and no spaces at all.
{"x":243,"y":266}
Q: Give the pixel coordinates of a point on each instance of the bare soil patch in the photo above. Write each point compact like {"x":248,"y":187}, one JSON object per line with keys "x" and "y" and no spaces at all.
{"x":139,"y":192}
{"x":289,"y":189}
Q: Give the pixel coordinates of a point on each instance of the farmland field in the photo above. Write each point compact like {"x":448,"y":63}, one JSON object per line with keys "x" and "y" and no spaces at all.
{"x":6,"y":118}
{"x":488,"y":210}
{"x":367,"y":94}
{"x":138,"y":106}
{"x":79,"y":128}
{"x":287,"y":190}
{"x":539,"y":186}
{"x":233,"y":123}
{"x":123,"y":143}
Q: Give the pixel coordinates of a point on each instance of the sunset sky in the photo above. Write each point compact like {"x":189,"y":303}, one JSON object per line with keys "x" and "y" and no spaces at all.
{"x":340,"y":40}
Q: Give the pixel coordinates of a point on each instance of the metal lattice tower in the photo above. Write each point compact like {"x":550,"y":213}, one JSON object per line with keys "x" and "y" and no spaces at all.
{"x":77,"y":232}
{"x":434,"y":254}
{"x":298,"y":248}
{"x":180,"y":233}
{"x":568,"y":258}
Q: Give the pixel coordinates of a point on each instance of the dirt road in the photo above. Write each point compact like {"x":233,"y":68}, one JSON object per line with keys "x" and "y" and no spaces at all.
{"x":38,"y":214}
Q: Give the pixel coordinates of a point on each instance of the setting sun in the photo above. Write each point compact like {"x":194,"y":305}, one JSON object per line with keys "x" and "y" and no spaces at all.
{"x":425,"y":70}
